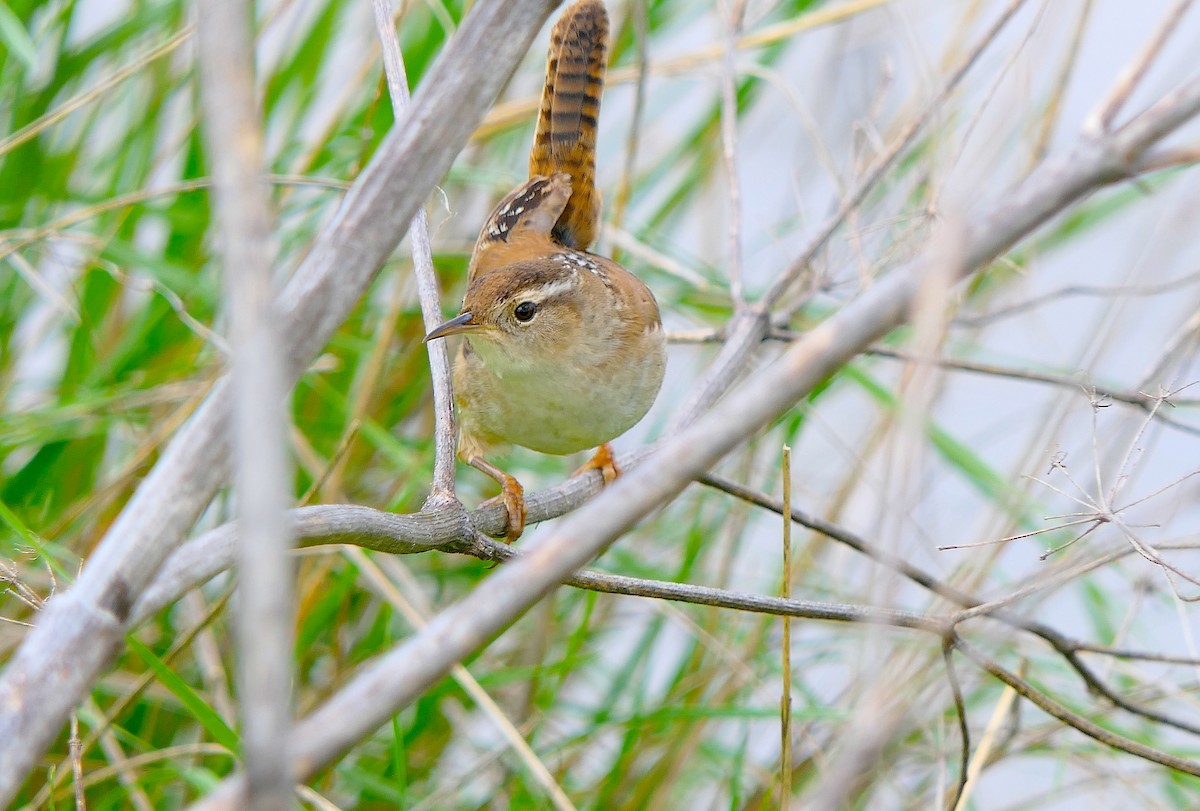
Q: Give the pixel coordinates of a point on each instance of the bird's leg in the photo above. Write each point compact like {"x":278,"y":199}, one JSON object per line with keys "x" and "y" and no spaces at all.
{"x":511,"y":494}
{"x":604,"y":461}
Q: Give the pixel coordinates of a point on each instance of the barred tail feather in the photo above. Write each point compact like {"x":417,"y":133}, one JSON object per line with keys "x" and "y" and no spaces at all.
{"x":565,"y":141}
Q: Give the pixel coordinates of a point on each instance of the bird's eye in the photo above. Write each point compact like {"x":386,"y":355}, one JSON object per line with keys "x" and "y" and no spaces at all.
{"x":525,"y":311}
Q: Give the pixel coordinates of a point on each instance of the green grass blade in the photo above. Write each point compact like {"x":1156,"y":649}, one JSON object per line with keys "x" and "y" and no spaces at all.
{"x":200,"y":709}
{"x":15,"y":38}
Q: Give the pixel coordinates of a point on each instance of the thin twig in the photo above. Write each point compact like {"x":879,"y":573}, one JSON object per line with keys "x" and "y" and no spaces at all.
{"x":964,"y":732}
{"x":1074,"y":719}
{"x":171,"y":755}
{"x":119,"y":761}
{"x":1100,"y":120}
{"x":76,"y":764}
{"x":1123,"y":290}
{"x":1131,"y":397}
{"x":785,"y":702}
{"x":35,"y":279}
{"x":1170,"y":158}
{"x":987,"y":743}
{"x":427,"y":288}
{"x":1182,"y":344}
{"x":733,"y":12}
{"x":1141,"y":656}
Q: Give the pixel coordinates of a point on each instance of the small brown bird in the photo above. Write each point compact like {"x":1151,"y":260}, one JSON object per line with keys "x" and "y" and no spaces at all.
{"x":564,"y":350}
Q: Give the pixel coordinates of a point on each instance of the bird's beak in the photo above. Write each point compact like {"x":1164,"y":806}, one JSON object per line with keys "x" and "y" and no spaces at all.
{"x":459,"y":323}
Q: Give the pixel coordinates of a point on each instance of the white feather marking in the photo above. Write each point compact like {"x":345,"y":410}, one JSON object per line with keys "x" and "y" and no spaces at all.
{"x":551,"y":289}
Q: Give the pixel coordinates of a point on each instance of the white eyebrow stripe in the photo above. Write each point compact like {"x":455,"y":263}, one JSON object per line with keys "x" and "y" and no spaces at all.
{"x":551,"y":289}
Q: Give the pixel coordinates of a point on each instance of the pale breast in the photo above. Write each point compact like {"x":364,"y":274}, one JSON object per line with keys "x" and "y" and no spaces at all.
{"x":562,"y":408}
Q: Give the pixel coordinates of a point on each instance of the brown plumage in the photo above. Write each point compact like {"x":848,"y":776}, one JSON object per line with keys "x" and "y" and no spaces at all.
{"x":564,"y":349}
{"x":565,"y":139}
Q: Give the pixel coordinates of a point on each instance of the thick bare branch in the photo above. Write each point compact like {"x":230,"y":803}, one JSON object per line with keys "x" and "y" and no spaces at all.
{"x":233,"y":127}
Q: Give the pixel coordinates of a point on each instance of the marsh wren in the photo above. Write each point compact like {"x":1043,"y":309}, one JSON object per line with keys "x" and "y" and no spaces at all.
{"x":563,"y":349}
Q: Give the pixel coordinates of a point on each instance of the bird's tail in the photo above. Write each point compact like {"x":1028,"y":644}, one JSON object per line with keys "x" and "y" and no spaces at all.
{"x":565,"y":141}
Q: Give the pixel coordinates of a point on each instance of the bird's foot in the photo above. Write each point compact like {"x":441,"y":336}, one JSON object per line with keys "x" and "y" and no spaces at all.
{"x":512,"y":496}
{"x":604,"y":461}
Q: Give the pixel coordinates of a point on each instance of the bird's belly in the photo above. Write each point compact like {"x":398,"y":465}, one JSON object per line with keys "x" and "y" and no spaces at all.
{"x":559,"y":411}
